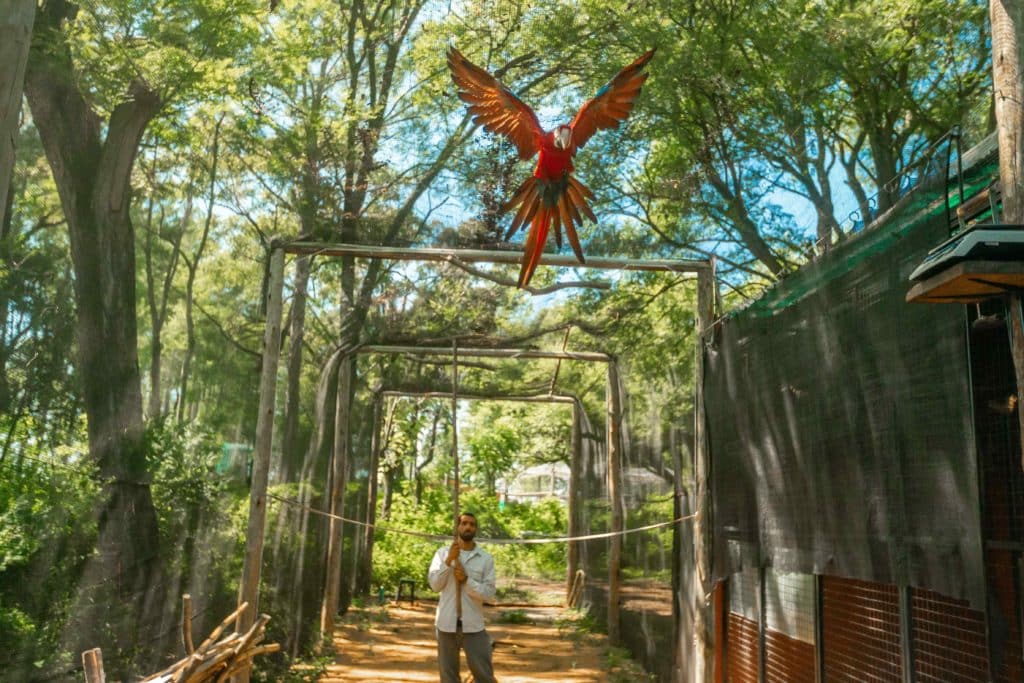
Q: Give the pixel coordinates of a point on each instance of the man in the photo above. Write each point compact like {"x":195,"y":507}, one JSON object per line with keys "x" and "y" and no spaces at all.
{"x":464,"y":576}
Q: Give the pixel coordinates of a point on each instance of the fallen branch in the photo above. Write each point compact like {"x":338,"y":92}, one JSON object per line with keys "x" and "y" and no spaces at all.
{"x":217,"y":658}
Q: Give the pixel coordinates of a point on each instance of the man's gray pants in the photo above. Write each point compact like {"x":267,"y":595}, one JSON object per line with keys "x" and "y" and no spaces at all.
{"x":477,"y":647}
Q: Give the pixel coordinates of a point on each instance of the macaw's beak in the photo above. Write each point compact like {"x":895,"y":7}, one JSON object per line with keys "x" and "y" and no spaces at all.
{"x":562,"y":137}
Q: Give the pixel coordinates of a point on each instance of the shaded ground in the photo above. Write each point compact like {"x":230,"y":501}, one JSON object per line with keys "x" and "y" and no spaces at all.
{"x":396,"y":643}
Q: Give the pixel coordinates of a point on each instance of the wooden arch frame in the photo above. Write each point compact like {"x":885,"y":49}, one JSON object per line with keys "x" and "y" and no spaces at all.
{"x":255,"y":532}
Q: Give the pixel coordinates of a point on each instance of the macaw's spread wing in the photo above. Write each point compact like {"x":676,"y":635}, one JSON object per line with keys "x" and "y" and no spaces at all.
{"x":612,"y":103}
{"x":494,"y":106}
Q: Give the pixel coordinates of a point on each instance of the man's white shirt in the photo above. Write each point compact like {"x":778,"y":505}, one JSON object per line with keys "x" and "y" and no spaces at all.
{"x":479,"y":586}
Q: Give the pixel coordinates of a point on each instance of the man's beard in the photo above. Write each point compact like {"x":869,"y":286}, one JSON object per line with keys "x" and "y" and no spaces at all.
{"x":467,"y":535}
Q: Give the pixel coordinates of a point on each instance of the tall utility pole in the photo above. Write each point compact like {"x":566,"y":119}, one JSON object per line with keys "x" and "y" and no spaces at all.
{"x":1007,"y":17}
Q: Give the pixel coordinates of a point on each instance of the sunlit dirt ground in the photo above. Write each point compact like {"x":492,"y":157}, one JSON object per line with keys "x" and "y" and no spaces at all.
{"x":396,"y":643}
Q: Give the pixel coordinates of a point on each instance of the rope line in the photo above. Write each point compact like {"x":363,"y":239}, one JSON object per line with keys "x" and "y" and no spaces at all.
{"x":494,"y":541}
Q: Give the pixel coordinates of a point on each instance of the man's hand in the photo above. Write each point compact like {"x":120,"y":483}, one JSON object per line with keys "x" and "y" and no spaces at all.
{"x":460,"y":573}
{"x":453,"y":553}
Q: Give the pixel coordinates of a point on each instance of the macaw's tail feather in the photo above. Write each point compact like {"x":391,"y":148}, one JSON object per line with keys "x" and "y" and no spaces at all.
{"x":534,"y":246}
{"x":548,"y":206}
{"x":528,"y":199}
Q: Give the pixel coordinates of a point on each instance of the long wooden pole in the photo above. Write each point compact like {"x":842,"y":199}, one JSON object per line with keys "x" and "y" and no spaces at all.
{"x":704,"y":634}
{"x":587,"y":356}
{"x":339,"y":464}
{"x":249,"y":588}
{"x":575,"y":465}
{"x":371,"y":493}
{"x":484,"y":256}
{"x":479,"y":396}
{"x":1007,"y":17}
{"x":455,"y":435}
{"x":614,"y":452}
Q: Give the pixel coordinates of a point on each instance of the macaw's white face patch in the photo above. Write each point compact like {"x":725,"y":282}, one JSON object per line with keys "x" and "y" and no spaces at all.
{"x":563,"y":136}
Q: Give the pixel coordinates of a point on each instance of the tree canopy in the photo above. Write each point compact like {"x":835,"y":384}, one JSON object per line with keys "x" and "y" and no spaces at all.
{"x":161,"y":147}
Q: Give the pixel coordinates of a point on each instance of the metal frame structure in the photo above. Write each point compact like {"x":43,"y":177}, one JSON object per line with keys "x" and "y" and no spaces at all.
{"x":704,"y":271}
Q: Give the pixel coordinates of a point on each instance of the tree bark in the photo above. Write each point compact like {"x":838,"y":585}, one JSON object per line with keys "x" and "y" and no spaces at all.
{"x":16,"y":19}
{"x":93,"y":176}
{"x":1007,"y":17}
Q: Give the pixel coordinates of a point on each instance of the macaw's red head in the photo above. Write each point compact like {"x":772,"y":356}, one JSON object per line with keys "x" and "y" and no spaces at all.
{"x":562,"y":137}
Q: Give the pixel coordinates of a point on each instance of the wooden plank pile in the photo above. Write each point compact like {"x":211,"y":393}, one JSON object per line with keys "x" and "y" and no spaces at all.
{"x":216,"y":660}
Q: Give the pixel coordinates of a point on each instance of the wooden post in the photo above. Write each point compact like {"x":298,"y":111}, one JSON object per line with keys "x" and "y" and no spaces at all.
{"x":575,"y":464}
{"x":186,"y":624}
{"x":455,"y":437}
{"x":92,"y":660}
{"x":614,"y":447}
{"x":371,"y":493}
{"x":249,"y":589}
{"x":1007,"y":17}
{"x":682,"y":584}
{"x":703,"y":626}
{"x":339,"y":463}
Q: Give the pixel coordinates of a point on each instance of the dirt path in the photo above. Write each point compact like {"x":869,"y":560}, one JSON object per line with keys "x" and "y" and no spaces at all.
{"x":396,"y":643}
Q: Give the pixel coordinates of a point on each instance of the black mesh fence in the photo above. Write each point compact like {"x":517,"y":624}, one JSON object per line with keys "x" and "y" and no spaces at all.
{"x":839,"y":435}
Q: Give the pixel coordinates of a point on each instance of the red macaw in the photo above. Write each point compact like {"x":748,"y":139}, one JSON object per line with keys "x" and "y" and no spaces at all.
{"x":552,"y":196}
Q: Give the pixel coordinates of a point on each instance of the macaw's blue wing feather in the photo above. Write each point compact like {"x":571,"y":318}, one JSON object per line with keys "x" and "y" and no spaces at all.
{"x":612,"y":103}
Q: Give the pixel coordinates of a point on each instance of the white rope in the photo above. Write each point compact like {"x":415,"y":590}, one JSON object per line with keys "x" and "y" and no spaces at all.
{"x":494,"y":541}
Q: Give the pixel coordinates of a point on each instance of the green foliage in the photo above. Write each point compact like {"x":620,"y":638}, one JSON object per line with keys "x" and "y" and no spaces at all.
{"x":398,"y":556}
{"x":622,"y":668}
{"x":513,"y":616}
{"x":580,"y":627}
{"x":748,"y":102}
{"x":47,"y":533}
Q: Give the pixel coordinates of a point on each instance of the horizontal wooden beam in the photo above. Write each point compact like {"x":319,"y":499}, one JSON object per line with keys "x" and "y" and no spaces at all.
{"x":588,"y":356}
{"x":491,"y":256}
{"x":480,"y":396}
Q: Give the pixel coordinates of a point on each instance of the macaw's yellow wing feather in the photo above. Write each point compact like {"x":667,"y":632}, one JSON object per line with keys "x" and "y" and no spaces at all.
{"x":494,"y":106}
{"x":612,"y":103}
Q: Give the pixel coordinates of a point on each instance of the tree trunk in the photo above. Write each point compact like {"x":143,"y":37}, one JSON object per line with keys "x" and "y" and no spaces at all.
{"x":193,"y":266}
{"x":158,"y":309}
{"x":291,"y":453}
{"x":93,"y":176}
{"x":885,"y":170}
{"x":1007,"y":17}
{"x":431,"y":446}
{"x":5,"y":345}
{"x":16,"y":19}
{"x":332,"y":580}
